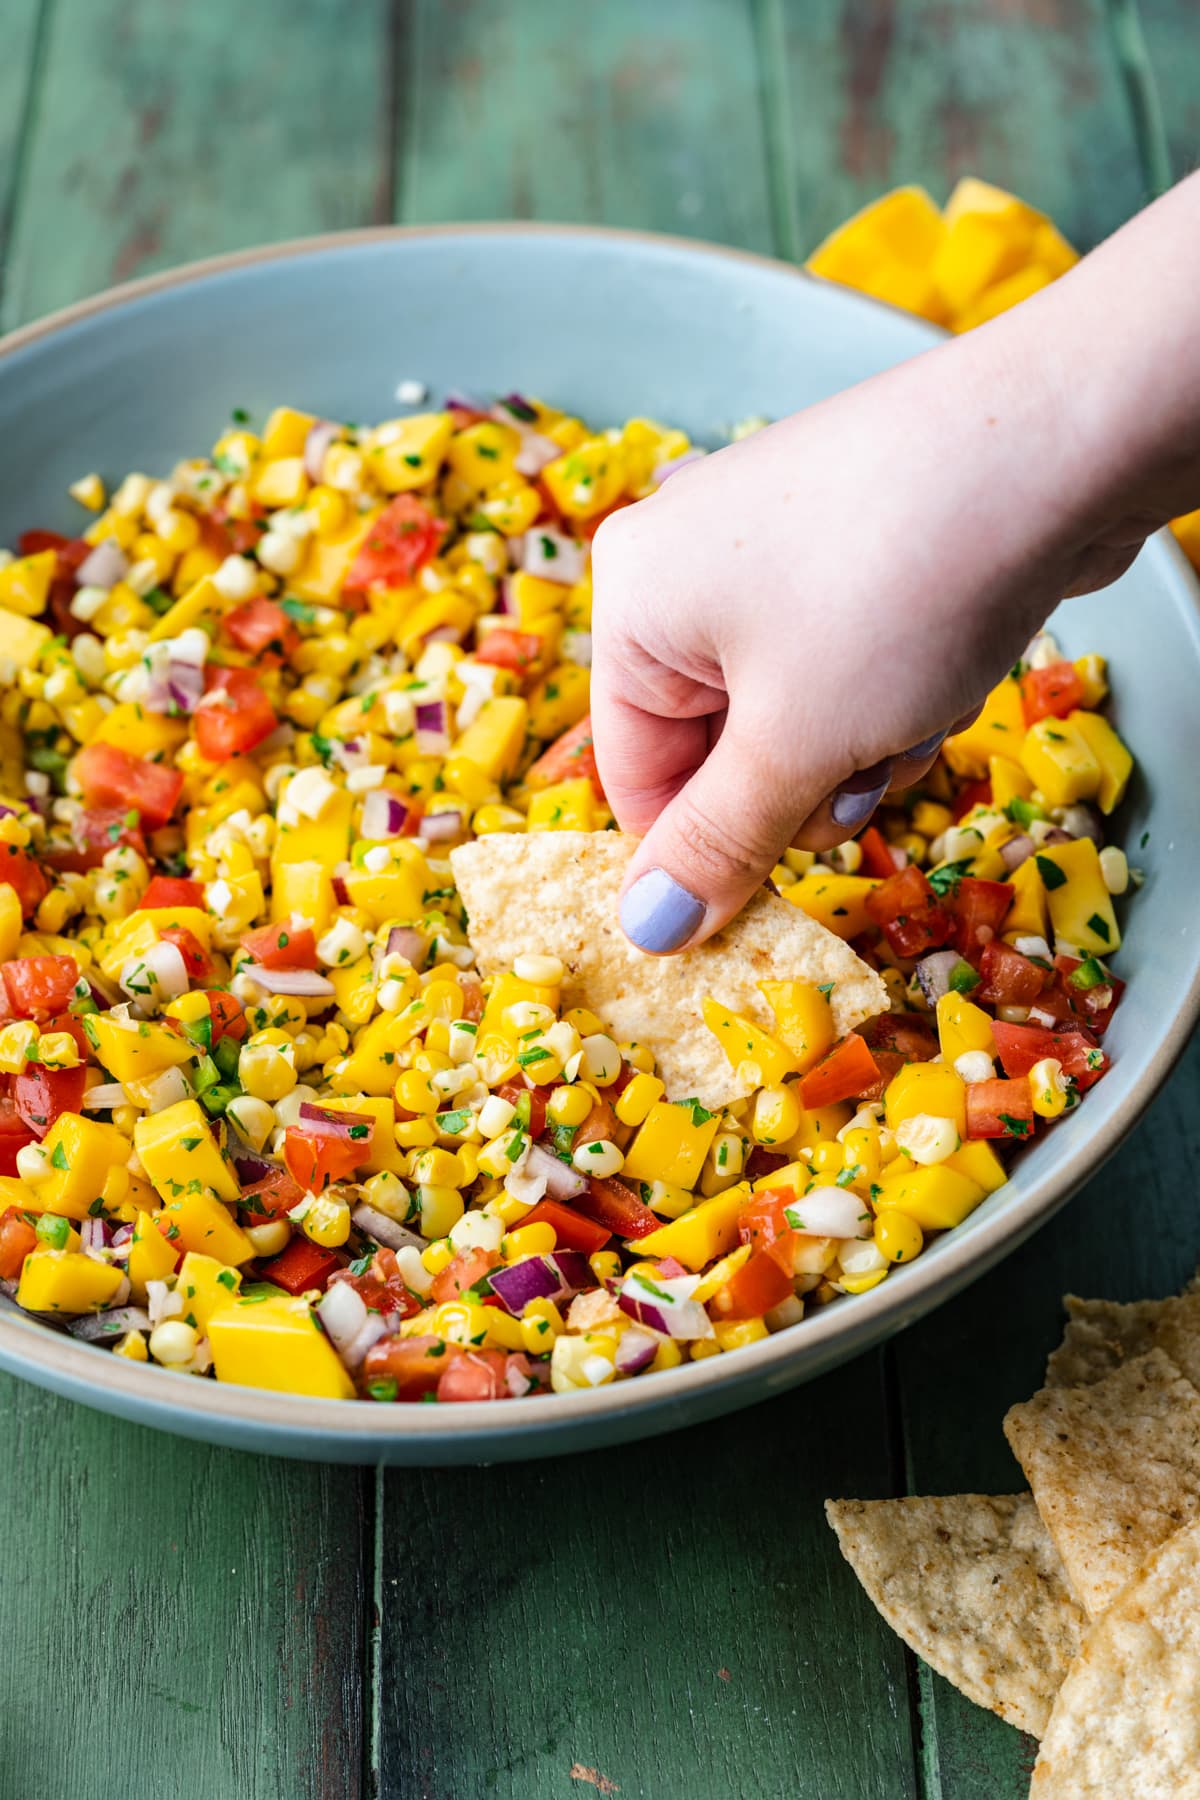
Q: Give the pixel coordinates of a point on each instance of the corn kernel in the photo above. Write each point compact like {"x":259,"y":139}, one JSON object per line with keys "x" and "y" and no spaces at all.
{"x":529,"y":1240}
{"x":327,"y":1221}
{"x":570,"y":1105}
{"x":441,"y":1208}
{"x":541,"y":1324}
{"x":775,"y":1114}
{"x":637,"y":1098}
{"x":1049,"y":1088}
{"x":897,"y":1236}
{"x":604,"y":1264}
{"x":435,"y":1257}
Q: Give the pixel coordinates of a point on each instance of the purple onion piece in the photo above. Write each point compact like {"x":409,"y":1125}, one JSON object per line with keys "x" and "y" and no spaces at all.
{"x":441,"y":827}
{"x":432,"y":725}
{"x":575,"y":1273}
{"x":516,"y":1284}
{"x":562,"y":1181}
{"x":385,"y":1231}
{"x":674,"y":1318}
{"x":251,"y":1168}
{"x":1015,"y":852}
{"x":636,"y":1349}
{"x":95,"y":1234}
{"x":384,"y":814}
{"x":104,"y":567}
{"x":320,"y":435}
{"x":933,"y":974}
{"x":408,"y":942}
{"x":97,"y":1328}
{"x":302,"y":984}
{"x":535,"y":453}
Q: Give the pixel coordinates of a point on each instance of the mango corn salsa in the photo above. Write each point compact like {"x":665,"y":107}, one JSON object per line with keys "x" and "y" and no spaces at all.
{"x":261,"y":1117}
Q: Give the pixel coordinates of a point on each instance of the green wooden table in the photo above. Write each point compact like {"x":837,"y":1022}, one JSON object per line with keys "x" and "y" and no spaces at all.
{"x":671,"y":1621}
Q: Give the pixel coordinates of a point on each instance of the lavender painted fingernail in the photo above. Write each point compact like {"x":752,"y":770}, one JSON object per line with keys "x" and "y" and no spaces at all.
{"x":855,"y":801}
{"x":926,"y":747}
{"x":658,"y":915}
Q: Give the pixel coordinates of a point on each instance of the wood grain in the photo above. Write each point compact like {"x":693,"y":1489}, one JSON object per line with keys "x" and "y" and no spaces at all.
{"x":674,"y":1615}
{"x":168,"y":130}
{"x":19,"y":68}
{"x":620,"y":114}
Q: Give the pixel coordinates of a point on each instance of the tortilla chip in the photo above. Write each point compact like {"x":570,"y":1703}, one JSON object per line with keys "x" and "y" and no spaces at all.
{"x":1103,"y":1335}
{"x":1127,"y":1720}
{"x":973,"y":1584}
{"x":1114,"y":1468}
{"x":557,"y":891}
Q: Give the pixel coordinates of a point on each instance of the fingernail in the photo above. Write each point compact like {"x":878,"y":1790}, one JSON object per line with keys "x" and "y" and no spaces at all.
{"x":659,"y":915}
{"x":926,"y":747}
{"x":854,"y":802}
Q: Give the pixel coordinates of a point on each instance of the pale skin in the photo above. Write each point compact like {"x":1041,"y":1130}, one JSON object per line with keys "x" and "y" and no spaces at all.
{"x":783,"y":621}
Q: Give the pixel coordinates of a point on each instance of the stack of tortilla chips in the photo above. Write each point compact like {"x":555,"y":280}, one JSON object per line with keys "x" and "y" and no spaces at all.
{"x":1073,"y":1611}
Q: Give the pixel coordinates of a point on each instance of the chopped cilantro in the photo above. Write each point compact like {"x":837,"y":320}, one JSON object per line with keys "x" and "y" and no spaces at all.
{"x":946,"y":880}
{"x":1100,"y":927}
{"x":1052,"y":876}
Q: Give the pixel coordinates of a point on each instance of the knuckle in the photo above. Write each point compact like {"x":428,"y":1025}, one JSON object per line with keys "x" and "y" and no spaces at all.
{"x":719,"y":851}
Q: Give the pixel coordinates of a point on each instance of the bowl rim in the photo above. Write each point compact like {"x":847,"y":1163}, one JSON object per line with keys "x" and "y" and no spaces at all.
{"x":138,"y":1390}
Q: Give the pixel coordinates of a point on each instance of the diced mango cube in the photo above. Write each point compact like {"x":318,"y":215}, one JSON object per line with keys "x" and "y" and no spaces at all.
{"x":564,"y":806}
{"x":755,"y":1056}
{"x":132,"y":1049}
{"x":268,"y":1341}
{"x":926,"y":1087}
{"x":496,"y":735}
{"x":178,"y":1152}
{"x":67,"y":1281}
{"x":152,"y":1255}
{"x":1114,"y":760}
{"x":205,"y":1283}
{"x":208,"y":1227}
{"x":79,"y":1156}
{"x":672,"y":1144}
{"x":839,"y":902}
{"x":938,"y":1197}
{"x":961,"y":1027}
{"x":803,"y":1021}
{"x":998,"y":731}
{"x":1081,"y":908}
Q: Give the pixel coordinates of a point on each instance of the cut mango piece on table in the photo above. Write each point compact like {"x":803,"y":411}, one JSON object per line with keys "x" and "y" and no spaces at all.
{"x":1006,"y":293}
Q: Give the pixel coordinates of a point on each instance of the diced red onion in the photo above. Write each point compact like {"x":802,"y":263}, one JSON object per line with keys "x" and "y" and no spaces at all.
{"x":504,"y":600}
{"x":830,"y":1212}
{"x":562,"y":1181}
{"x":574,"y":1270}
{"x":343,"y":1312}
{"x":535,"y":452}
{"x":94,"y":1328}
{"x":104,"y":566}
{"x":179,"y":689}
{"x":94,"y":1235}
{"x":1080,"y":821}
{"x":302,"y":984}
{"x":1056,"y":835}
{"x":375,"y":1328}
{"x":104,"y":1096}
{"x":408,"y":942}
{"x":441,"y":827}
{"x":665,"y":1306}
{"x":251,"y":1168}
{"x":674,"y":464}
{"x":552,"y":556}
{"x":515,"y":409}
{"x":320,"y":435}
{"x":1015,"y":852}
{"x":516,"y":1374}
{"x":386,"y":1231}
{"x":432,"y":726}
{"x":341,"y":892}
{"x":533,"y":1278}
{"x":335,"y":1123}
{"x":384,"y":814}
{"x":933,"y":974}
{"x":635,"y":1350}
{"x":671,"y":1266}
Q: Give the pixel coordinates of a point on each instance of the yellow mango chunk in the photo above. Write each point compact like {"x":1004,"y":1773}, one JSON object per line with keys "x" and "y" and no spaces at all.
{"x":286,"y":432}
{"x":1009,"y":781}
{"x":510,"y":990}
{"x":1081,"y":908}
{"x":564,"y":806}
{"x":21,"y":640}
{"x":304,"y":888}
{"x":803,"y":1021}
{"x":496,"y":735}
{"x":205,"y":1283}
{"x":133,"y":1049}
{"x":755,"y":1056}
{"x":926,"y":1087}
{"x":902,"y":226}
{"x":1028,"y":915}
{"x":208,"y":1227}
{"x":205,"y":603}
{"x":274,"y":1342}
{"x":25,"y":583}
{"x":80,"y":1154}
{"x":978,"y":1162}
{"x":321,"y":574}
{"x":1060,"y":762}
{"x":978,"y":250}
{"x":178,"y":1151}
{"x":587,"y":479}
{"x":559,"y":700}
{"x":938,"y":1198}
{"x":961,"y":1027}
{"x":407,"y":453}
{"x":672,"y":1144}
{"x":1115,"y":762}
{"x":152,"y":1257}
{"x":998,"y":731}
{"x":131,"y":727}
{"x":534,"y":598}
{"x":67,"y":1281}
{"x":839,"y":902}
{"x":707,"y":1231}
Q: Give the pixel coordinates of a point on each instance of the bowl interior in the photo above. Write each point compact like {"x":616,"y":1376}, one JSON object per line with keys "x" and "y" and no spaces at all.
{"x":609,"y":325}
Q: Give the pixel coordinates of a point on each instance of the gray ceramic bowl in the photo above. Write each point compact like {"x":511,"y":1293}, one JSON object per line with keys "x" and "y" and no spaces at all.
{"x":609,"y":324}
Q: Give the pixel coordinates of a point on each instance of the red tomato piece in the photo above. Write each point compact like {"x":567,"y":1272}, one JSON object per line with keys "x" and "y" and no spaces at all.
{"x":282,"y":946}
{"x":975,"y":793}
{"x":1008,"y":978}
{"x":572,"y":1231}
{"x":195,"y":958}
{"x":762,"y":1161}
{"x":475,"y":1375}
{"x":1000,"y":1109}
{"x":841,"y":1074}
{"x":94,"y":832}
{"x":40,"y":1095}
{"x":108,"y":776}
{"x":404,"y":537}
{"x":172,"y":890}
{"x":753,"y":1289}
{"x":38,"y":986}
{"x":1051,"y":693}
{"x":381,"y":1287}
{"x":17,"y":1239}
{"x":233,"y":716}
{"x":506,"y":649}
{"x":613,"y":1203}
{"x":889,"y":1064}
{"x":1094,"y":1004}
{"x":327,"y":1147}
{"x":1020,"y":1046}
{"x":763,"y":1223}
{"x":877,"y":859}
{"x":414,"y":1364}
{"x":20,"y":872}
{"x":908,"y":909}
{"x":228,"y":1019}
{"x":520,"y":1090}
{"x":262,"y":629}
{"x":270,"y":1197}
{"x":302,"y":1265}
{"x":462,"y":1272}
{"x":569,"y":757}
{"x":980,"y":909}
{"x":14,"y":1134}
{"x":909,"y":1035}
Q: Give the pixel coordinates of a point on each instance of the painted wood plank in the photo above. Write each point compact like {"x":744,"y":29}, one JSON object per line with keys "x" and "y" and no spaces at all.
{"x":191,"y":1617}
{"x":1131,"y":1233}
{"x":18,"y":85}
{"x":167,"y":131}
{"x":670,"y":1618}
{"x":1022,"y":92}
{"x":618,"y":114}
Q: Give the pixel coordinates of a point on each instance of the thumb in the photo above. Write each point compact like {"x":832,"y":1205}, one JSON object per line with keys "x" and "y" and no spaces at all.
{"x":716,"y":841}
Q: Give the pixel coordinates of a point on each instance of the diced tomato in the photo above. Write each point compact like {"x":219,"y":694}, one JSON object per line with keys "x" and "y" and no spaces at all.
{"x":614,"y":1203}
{"x":753,"y":1289}
{"x":1000,"y":1109}
{"x":1008,"y":978}
{"x":889,"y":1063}
{"x":462,"y":1272}
{"x":381,"y":1287}
{"x":404,"y":537}
{"x":262,"y":629}
{"x":282,"y":946}
{"x":601,"y":1122}
{"x":14,"y":1134}
{"x":975,"y":793}
{"x":327,"y":1147}
{"x":571,"y":1229}
{"x":94,"y":832}
{"x":1051,"y":693}
{"x":270,"y":1197}
{"x":912,"y":917}
{"x":17,"y":1239}
{"x":762,"y":1161}
{"x":233,"y":716}
{"x":519,"y":1091}
{"x":40,"y":985}
{"x":515,"y":650}
{"x":909,"y":1035}
{"x":1096,"y":1003}
{"x":980,"y":909}
{"x":472,"y":993}
{"x":476,"y":1375}
{"x":1053,"y":1010}
{"x":20,"y":872}
{"x":841,"y":1074}
{"x":41,"y":1094}
{"x":196,"y":959}
{"x":1020,"y":1046}
{"x":763,"y":1223}
{"x":415,"y":1364}
{"x":171,"y":890}
{"x":228,"y":1019}
{"x":570,"y":756}
{"x":302,"y":1265}
{"x":877,"y":859}
{"x":108,"y":776}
